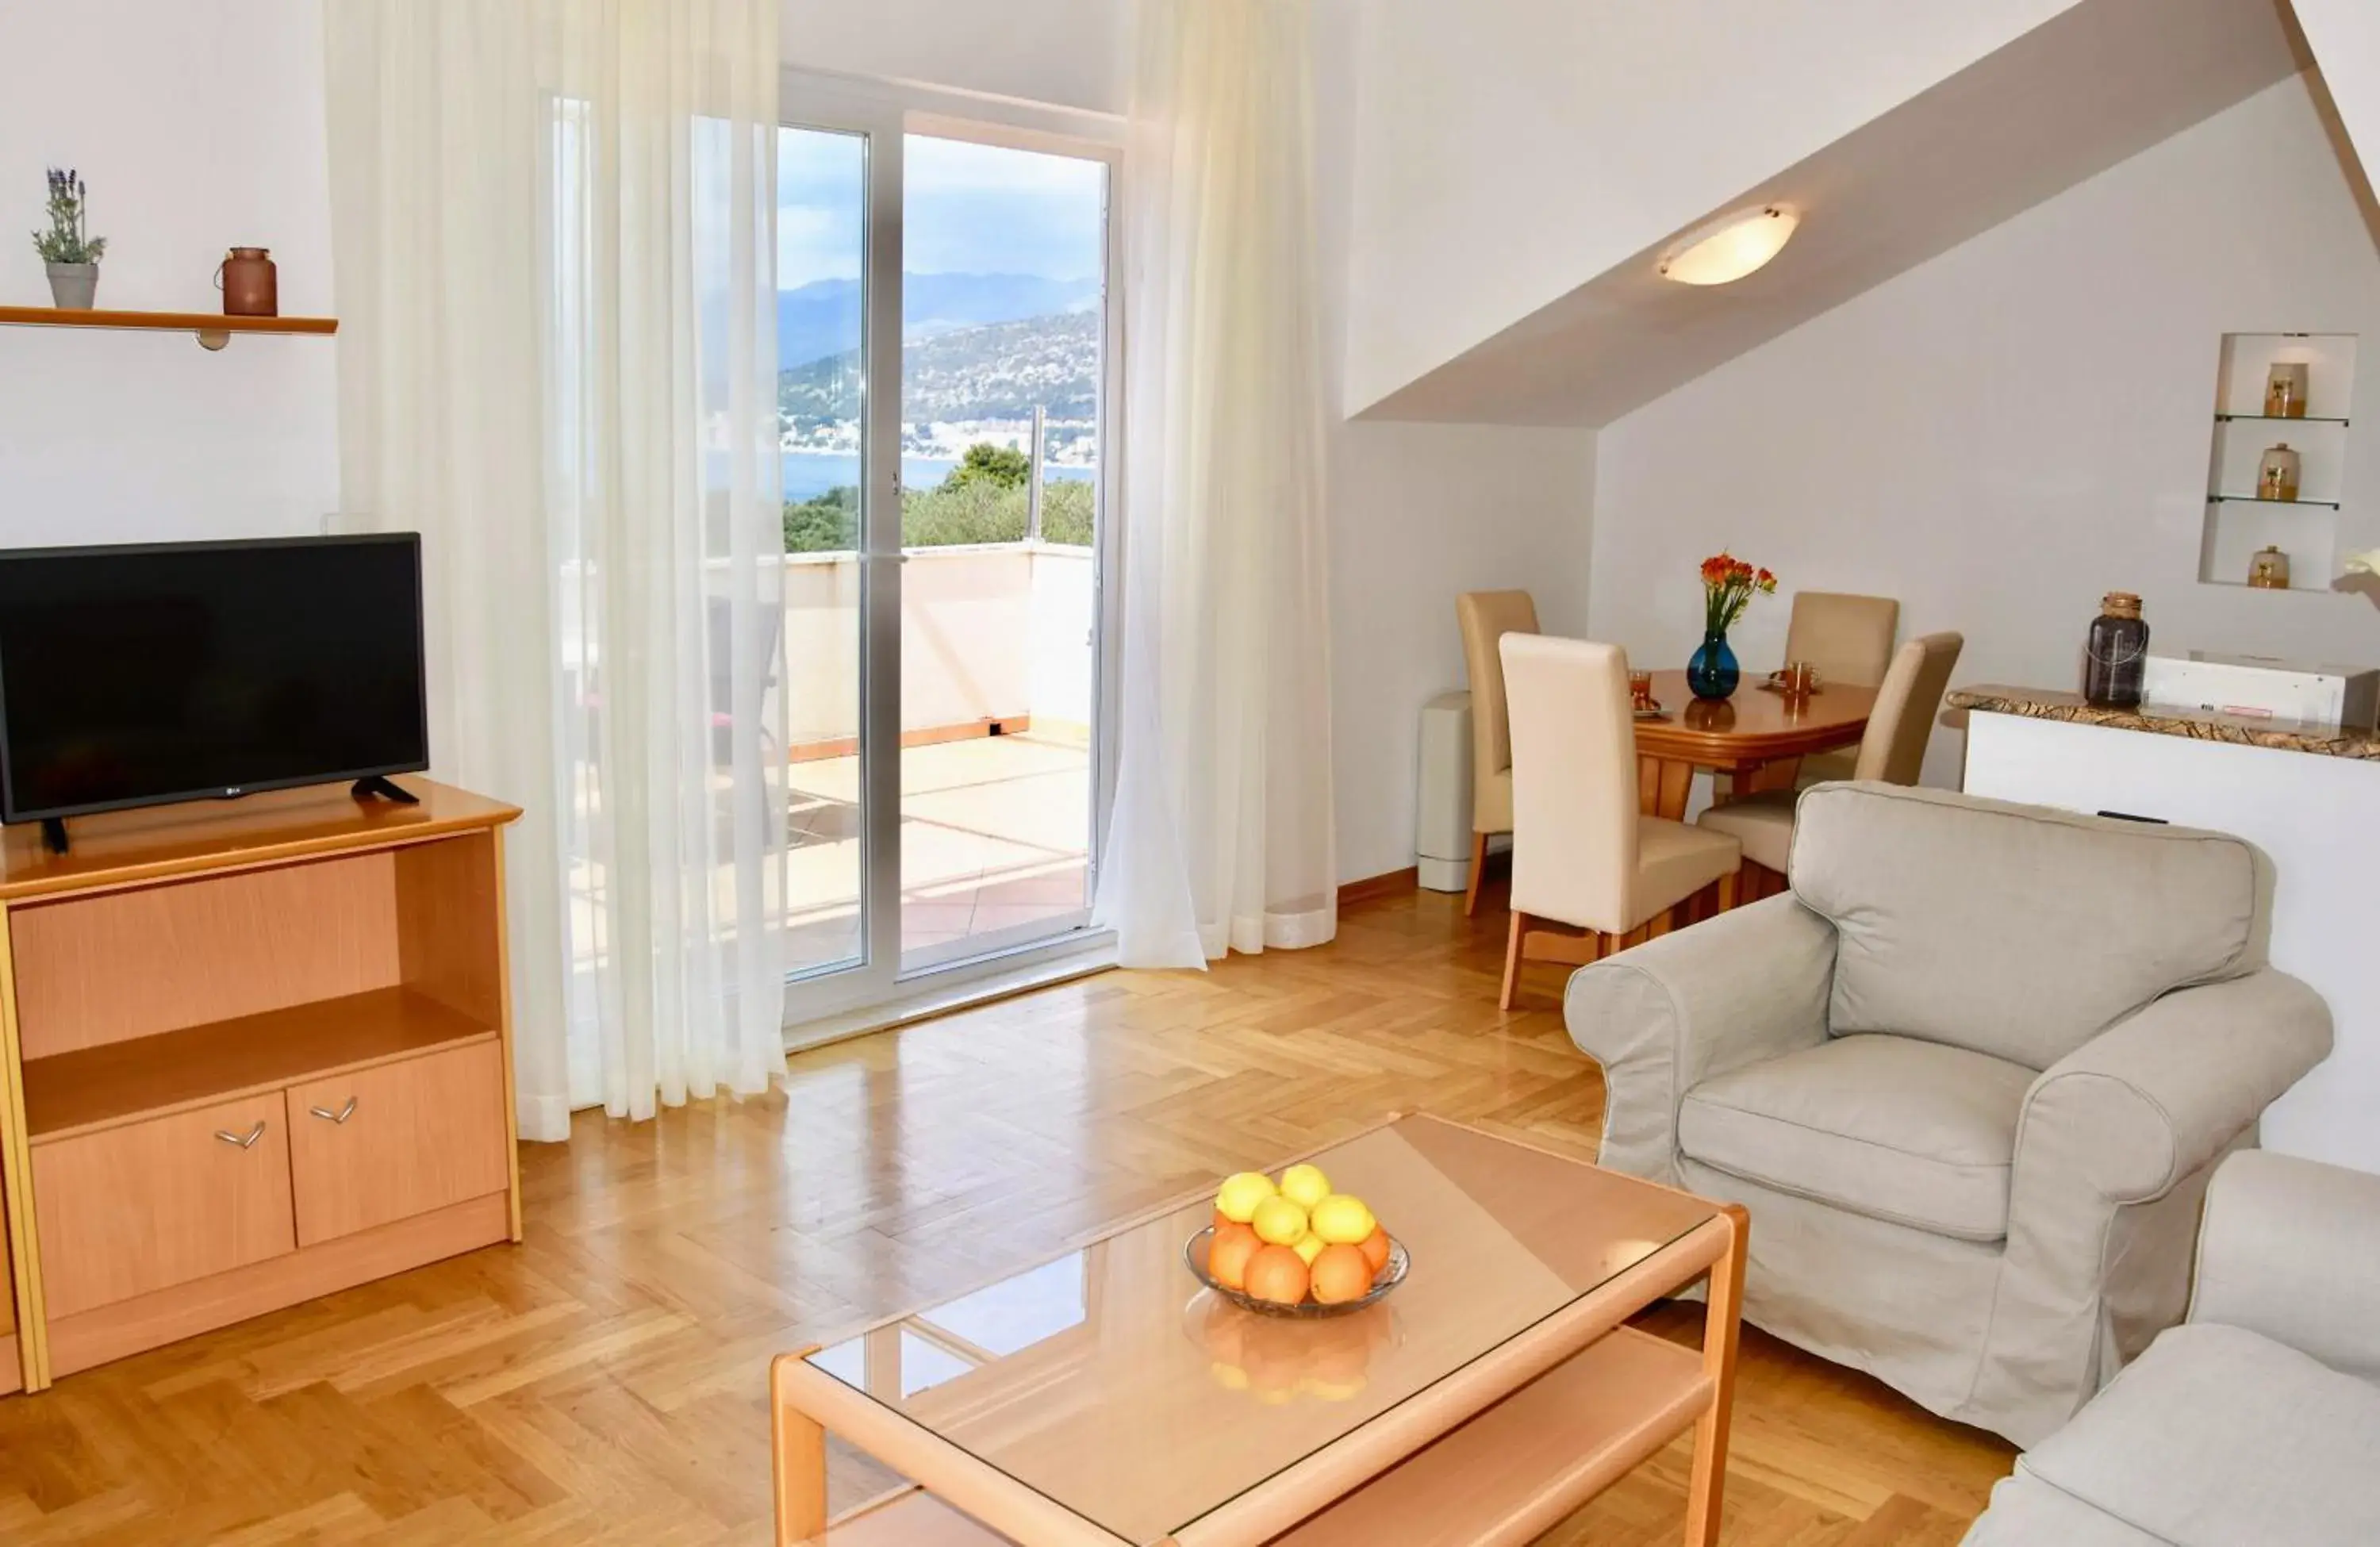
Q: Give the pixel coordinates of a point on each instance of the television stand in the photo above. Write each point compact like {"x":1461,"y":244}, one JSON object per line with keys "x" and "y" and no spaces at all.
{"x":321,"y":981}
{"x":54,"y":835}
{"x":387,"y":789}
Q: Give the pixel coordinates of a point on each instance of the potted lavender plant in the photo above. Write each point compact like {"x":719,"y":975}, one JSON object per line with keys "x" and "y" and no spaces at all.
{"x":72,"y":254}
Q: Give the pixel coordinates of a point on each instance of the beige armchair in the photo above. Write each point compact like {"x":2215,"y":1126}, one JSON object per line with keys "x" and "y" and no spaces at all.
{"x":1970,"y":1078}
{"x":1581,"y":853}
{"x":1487,"y":616}
{"x":1849,"y":639}
{"x":1893,"y":750}
{"x":2254,"y":1421}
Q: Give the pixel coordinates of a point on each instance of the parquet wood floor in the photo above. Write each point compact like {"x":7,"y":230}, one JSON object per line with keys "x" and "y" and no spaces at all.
{"x":603,"y":1383}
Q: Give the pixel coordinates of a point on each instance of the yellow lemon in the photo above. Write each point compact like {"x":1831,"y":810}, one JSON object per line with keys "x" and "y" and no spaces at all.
{"x":1309,"y":1247}
{"x":1238,"y":1197}
{"x":1341,"y":1220}
{"x":1279,"y":1220}
{"x":1304,"y":1186}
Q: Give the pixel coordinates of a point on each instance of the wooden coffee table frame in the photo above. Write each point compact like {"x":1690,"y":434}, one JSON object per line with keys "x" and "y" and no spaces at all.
{"x":1503,"y":1447}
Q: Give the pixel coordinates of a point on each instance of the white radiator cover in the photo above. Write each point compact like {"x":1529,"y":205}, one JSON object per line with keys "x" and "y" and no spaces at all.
{"x":1442,"y":812}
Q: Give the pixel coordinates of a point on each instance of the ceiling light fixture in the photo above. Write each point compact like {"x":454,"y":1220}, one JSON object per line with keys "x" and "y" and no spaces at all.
{"x":1732,"y":246}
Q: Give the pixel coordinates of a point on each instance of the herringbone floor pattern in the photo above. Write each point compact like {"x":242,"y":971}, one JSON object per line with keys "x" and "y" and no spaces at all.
{"x":603,"y":1382}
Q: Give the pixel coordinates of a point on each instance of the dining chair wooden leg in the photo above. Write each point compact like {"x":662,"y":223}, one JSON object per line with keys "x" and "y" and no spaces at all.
{"x":1478,"y":869}
{"x":1513,"y":958}
{"x":1729,"y":886}
{"x":1661,"y":922}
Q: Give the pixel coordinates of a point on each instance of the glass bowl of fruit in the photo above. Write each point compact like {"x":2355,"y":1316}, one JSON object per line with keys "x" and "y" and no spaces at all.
{"x":1294,"y":1247}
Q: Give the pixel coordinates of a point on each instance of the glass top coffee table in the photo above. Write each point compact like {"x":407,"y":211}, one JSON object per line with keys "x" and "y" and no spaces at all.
{"x":1104,"y":1398}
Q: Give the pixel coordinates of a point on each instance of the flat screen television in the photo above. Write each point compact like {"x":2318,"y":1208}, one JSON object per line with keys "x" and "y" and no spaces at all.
{"x":143,"y":673}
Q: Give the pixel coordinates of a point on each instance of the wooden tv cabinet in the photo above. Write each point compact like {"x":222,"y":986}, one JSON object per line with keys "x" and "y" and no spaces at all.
{"x":251,"y":1053}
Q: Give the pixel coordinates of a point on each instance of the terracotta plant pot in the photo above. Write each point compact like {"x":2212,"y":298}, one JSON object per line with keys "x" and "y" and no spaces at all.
{"x":73,"y":286}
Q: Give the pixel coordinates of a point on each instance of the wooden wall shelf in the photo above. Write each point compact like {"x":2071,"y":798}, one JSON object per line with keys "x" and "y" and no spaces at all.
{"x":213,"y":330}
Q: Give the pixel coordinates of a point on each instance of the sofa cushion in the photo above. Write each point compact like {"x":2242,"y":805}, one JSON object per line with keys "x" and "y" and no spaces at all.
{"x":2027,"y":1512}
{"x":2015,"y":930}
{"x":2217,"y":1436}
{"x":1910,"y":1131}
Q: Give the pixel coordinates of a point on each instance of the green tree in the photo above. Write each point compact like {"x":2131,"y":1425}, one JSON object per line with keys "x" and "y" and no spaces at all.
{"x":829,"y":523}
{"x":1003,"y":466}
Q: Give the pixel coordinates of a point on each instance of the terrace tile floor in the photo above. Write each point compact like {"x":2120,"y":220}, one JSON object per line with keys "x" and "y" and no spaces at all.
{"x":995,"y":834}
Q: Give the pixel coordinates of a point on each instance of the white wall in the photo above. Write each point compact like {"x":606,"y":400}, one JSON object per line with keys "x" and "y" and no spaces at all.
{"x":2345,"y":37}
{"x":1419,"y":514}
{"x":1513,"y":150}
{"x":2003,"y":434}
{"x":199,"y":126}
{"x":1064,"y":53}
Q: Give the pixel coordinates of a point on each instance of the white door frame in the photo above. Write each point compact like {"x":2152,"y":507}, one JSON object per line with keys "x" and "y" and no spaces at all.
{"x":833,"y":1000}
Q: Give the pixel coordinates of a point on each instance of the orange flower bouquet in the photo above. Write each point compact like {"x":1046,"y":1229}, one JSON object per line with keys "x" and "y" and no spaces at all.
{"x":1729,"y":586}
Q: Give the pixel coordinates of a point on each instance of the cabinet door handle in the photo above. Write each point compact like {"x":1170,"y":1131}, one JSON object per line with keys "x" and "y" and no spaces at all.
{"x":247,"y":1143}
{"x":326,"y":1115}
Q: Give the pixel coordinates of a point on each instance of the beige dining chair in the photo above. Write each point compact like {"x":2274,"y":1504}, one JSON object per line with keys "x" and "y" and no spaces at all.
{"x":1891,"y":751}
{"x":1487,"y":616}
{"x":1849,"y":639}
{"x":1582,"y":854}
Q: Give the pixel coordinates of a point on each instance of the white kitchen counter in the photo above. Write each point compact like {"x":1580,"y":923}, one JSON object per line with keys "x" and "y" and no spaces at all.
{"x":2309,"y":798}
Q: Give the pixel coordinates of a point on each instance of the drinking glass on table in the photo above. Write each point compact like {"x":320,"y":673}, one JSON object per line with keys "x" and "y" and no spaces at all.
{"x":1640,"y":689}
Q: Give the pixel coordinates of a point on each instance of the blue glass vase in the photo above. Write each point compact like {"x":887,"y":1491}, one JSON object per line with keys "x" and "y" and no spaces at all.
{"x":1712,"y":673}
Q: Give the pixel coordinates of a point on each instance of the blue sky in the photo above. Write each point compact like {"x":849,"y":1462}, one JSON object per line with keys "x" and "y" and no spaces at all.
{"x":970,"y":209}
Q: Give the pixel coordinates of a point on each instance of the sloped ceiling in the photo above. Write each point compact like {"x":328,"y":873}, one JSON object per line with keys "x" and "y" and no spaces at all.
{"x":2092,"y":86}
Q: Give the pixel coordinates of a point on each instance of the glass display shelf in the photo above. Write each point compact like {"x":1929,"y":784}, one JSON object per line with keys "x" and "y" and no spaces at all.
{"x":2278,"y":504}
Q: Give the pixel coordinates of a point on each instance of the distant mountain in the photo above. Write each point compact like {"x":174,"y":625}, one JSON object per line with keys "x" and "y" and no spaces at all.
{"x":822,"y":319}
{"x":998,"y":371}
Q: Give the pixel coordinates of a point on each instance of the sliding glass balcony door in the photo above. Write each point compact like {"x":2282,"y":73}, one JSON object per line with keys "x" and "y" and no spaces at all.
{"x":943,"y":321}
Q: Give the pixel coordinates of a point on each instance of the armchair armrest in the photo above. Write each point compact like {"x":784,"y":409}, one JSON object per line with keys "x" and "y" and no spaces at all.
{"x":2114,"y":1143}
{"x":1748,"y":985}
{"x":2163,"y":1092}
{"x":2291,"y":1249}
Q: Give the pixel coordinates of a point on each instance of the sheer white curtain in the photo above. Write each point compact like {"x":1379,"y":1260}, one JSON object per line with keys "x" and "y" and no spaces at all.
{"x":1221,"y":834}
{"x":555,"y":231}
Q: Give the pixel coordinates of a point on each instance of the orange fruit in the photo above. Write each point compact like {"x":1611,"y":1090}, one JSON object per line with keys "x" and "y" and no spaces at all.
{"x":1341,"y":1274}
{"x":1227,"y":1254}
{"x":1277,"y":1274}
{"x":1374,"y":1247}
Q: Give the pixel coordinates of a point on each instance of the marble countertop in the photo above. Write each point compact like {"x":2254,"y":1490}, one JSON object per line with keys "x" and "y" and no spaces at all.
{"x":2287,"y":736}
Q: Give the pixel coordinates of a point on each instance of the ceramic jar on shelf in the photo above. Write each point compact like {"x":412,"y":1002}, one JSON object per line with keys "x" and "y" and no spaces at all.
{"x":2277,"y":477}
{"x":2285,"y":390}
{"x":2268,"y":569}
{"x":249,"y":283}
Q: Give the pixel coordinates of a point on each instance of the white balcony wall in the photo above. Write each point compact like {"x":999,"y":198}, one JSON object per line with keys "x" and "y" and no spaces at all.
{"x":1063,"y":664}
{"x":994,"y":632}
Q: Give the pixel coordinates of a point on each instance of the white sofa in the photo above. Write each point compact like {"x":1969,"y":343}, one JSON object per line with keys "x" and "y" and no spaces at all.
{"x":2256,"y":1421}
{"x":1971,"y":1077}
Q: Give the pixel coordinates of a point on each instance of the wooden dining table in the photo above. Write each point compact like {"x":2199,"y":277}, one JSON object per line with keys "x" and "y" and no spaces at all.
{"x":1758,"y":736}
